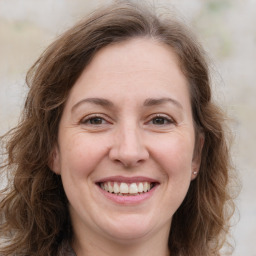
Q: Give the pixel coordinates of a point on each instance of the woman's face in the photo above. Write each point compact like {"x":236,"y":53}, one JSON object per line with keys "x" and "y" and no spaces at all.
{"x":126,"y":142}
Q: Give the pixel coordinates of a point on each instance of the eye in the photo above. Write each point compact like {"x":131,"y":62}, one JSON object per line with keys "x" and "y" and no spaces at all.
{"x":161,"y":120}
{"x":96,"y":120}
{"x":93,"y":120}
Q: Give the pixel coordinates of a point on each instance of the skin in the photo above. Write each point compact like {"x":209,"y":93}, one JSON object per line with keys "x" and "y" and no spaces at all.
{"x":126,"y":137}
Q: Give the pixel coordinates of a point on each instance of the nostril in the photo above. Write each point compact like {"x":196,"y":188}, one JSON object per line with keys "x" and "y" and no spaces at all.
{"x":129,"y":164}
{"x":128,"y":152}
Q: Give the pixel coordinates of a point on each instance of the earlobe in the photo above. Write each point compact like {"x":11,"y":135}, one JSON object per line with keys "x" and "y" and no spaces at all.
{"x":196,"y":162}
{"x":54,"y":161}
{"x":193,"y":175}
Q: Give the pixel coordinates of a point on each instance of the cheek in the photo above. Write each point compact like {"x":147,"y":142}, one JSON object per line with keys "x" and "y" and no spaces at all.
{"x":175,"y":161}
{"x":174,"y":154}
{"x":81,"y":155}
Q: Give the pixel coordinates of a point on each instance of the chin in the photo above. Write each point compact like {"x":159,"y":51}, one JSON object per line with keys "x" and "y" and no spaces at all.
{"x":131,"y":228}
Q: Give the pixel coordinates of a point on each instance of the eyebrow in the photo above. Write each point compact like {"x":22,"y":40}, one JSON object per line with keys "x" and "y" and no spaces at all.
{"x":153,"y":102}
{"x":97,"y":101}
{"x":106,"y":103}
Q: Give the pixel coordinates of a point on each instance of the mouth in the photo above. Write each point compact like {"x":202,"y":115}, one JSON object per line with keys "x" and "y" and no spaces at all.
{"x":127,"y":188}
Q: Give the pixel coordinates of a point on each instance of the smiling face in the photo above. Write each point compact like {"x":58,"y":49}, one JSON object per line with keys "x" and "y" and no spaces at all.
{"x":126,"y":142}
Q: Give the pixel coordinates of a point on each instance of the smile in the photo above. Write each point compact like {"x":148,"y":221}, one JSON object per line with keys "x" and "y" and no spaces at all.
{"x":127,"y":189}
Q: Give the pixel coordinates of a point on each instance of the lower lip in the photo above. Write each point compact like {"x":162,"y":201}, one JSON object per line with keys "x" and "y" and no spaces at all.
{"x":129,"y":200}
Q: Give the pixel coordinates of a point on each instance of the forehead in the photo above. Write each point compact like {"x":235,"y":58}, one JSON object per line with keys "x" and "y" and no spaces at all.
{"x":135,"y":66}
{"x":134,"y":55}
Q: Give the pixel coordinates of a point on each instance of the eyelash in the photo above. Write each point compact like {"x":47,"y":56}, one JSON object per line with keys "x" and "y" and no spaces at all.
{"x":87,"y":119}
{"x":167,"y":120}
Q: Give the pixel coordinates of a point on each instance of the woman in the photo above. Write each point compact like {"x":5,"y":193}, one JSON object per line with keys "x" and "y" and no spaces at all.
{"x":120,"y":150}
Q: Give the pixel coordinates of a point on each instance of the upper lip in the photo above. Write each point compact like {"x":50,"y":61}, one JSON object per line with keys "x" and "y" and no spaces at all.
{"x":127,"y":179}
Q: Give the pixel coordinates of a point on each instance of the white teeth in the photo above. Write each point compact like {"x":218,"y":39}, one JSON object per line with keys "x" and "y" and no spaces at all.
{"x":133,"y":189}
{"x":140,"y":187}
{"x":110,"y":188}
{"x":116,"y":188}
{"x":124,"y":189}
{"x":146,"y":186}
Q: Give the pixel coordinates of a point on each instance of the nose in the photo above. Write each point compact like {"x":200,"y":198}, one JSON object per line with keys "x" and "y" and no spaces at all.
{"x":128,"y":147}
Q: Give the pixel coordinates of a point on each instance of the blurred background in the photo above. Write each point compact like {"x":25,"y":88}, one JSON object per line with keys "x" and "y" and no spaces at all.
{"x":226,"y":28}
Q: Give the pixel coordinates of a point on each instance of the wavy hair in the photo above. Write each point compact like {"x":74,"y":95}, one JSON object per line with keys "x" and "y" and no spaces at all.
{"x":34,"y":217}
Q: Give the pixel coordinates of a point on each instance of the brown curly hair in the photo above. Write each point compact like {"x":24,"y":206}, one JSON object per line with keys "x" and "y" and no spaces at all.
{"x":34,"y":217}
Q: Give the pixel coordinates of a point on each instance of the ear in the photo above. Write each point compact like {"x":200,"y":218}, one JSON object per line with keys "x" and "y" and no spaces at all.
{"x":196,"y":161}
{"x":54,"y":161}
